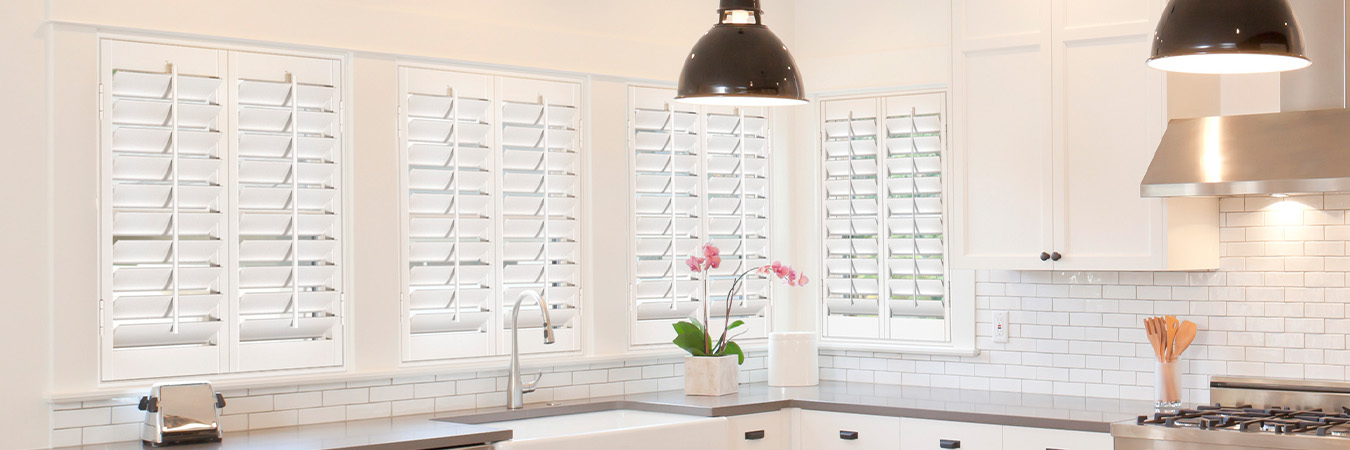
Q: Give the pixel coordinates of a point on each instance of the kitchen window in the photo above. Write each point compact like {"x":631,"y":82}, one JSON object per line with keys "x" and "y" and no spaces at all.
{"x":700,"y":174}
{"x":884,"y":242}
{"x":221,"y":204}
{"x":492,"y":208}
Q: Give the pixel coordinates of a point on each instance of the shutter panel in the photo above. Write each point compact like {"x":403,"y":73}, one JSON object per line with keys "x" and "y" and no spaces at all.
{"x":884,"y":217}
{"x":914,"y":209}
{"x":736,"y":203}
{"x":667,"y":170}
{"x":852,"y":218}
{"x":163,"y":200}
{"x":447,"y":142}
{"x":540,"y":207}
{"x":700,"y":175}
{"x":289,"y":204}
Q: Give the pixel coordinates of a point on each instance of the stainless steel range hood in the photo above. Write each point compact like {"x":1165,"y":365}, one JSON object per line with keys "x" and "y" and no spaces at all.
{"x":1279,"y":153}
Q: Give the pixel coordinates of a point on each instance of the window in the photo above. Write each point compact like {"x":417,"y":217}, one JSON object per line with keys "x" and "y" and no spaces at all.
{"x":492,"y":209}
{"x":883,"y":218}
{"x":700,"y":174}
{"x":221,"y":211}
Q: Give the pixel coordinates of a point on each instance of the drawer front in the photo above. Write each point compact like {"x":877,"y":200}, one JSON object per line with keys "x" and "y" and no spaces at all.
{"x":1019,"y":438}
{"x":921,"y":434}
{"x":822,"y":430}
{"x":763,"y":431}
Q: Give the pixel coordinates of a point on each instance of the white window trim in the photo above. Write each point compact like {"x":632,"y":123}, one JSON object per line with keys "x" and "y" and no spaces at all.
{"x":961,"y":321}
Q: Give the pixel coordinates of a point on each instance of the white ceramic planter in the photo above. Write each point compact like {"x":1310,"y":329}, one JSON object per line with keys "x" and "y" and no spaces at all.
{"x":711,"y":376}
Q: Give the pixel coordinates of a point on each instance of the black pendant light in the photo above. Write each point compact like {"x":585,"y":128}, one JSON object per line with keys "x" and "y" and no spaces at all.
{"x":739,"y":62}
{"x":1228,"y":36}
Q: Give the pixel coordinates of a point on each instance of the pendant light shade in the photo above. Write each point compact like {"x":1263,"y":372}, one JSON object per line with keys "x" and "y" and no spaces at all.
{"x":1228,"y":36}
{"x":739,"y":62}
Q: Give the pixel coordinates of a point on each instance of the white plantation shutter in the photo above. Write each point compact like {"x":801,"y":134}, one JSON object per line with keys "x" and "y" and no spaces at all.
{"x":914,"y":212}
{"x":540,"y":207}
{"x":700,"y":175}
{"x":198,"y":217}
{"x":448,"y":142}
{"x":667,"y":170}
{"x":492,"y":205}
{"x":883,"y":218}
{"x":289,"y":204}
{"x":164,"y":203}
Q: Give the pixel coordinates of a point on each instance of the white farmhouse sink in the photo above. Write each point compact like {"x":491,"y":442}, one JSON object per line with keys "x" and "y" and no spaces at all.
{"x":619,"y":429}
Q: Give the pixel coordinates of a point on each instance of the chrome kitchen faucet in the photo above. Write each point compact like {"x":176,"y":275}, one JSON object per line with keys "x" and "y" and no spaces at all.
{"x":516,"y":390}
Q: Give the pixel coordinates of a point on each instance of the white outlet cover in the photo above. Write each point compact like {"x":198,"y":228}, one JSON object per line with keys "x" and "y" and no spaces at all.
{"x":1001,"y":331}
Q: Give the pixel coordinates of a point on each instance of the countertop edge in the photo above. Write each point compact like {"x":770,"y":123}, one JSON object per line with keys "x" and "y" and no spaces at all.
{"x":459,"y":440}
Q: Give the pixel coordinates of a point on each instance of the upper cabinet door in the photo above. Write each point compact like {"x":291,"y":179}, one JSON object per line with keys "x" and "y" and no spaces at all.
{"x":1002,"y":192}
{"x":1109,"y":116}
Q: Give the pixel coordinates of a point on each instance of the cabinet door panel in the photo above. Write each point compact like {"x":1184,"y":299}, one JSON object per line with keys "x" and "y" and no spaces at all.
{"x":1109,"y":118}
{"x":1021,"y":438}
{"x":822,"y":430}
{"x":921,"y":434}
{"x":1001,"y":213}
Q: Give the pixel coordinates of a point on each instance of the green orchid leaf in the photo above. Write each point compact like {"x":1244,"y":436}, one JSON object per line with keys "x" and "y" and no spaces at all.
{"x":735,"y":349}
{"x":736,"y":324}
{"x":689,"y":337}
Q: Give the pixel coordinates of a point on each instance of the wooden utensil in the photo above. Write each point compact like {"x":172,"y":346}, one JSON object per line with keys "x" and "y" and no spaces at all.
{"x":1185,"y":335}
{"x":1154,"y":338}
{"x":1169,"y":339}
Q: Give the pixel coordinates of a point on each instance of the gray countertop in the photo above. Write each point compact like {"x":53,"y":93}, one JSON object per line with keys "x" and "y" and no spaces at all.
{"x":456,"y":428}
{"x":999,"y":408}
{"x":396,"y":433}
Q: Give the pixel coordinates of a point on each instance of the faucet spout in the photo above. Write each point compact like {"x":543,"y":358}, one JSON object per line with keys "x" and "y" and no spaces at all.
{"x":516,"y":389}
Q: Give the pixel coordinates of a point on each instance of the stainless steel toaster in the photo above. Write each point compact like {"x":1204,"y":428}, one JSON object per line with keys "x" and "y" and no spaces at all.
{"x":181,"y":413}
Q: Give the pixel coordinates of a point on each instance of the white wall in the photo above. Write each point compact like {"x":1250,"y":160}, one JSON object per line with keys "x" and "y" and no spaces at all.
{"x":25,"y":233}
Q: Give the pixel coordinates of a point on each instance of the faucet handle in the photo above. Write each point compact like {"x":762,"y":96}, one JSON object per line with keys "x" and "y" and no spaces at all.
{"x":528,"y":387}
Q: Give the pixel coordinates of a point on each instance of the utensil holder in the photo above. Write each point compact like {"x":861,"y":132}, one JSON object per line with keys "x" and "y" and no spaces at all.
{"x":1166,"y":385}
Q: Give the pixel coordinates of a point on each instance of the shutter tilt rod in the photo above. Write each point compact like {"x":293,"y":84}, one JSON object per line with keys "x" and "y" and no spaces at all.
{"x":914,"y":197}
{"x":547,"y":215}
{"x":173,"y":192}
{"x":745,"y":199}
{"x":674,"y":230}
{"x":295,"y":201}
{"x":454,"y":161}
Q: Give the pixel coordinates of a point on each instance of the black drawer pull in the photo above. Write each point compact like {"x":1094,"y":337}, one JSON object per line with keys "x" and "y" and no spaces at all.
{"x":754,"y":435}
{"x":949,"y":443}
{"x":1055,"y":256}
{"x":848,"y":435}
{"x":1045,"y":256}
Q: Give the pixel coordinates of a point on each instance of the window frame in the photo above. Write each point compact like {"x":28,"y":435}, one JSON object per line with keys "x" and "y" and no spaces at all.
{"x":633,"y":342}
{"x":229,"y":352}
{"x":960,"y":322}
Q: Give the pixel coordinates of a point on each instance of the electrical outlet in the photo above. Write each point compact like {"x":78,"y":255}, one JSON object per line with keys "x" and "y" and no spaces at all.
{"x":1001,"y":327}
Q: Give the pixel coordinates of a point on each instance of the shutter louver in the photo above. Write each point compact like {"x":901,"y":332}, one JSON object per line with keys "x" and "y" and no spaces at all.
{"x":700,"y":175}
{"x":450,"y":187}
{"x":164,"y":201}
{"x":884,"y":218}
{"x":289,"y":277}
{"x":540,"y":206}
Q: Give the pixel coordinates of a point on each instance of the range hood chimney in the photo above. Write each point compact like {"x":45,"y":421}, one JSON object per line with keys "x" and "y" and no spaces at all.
{"x":1305,"y":148}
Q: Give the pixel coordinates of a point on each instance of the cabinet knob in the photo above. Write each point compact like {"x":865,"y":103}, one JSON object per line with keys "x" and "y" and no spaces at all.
{"x":1054,"y":256}
{"x":754,"y":435}
{"x":848,"y":435}
{"x":1045,"y":256}
{"x":949,"y":443}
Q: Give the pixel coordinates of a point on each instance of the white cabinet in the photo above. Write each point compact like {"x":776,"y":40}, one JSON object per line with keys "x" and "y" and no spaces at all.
{"x":821,"y":430}
{"x":922,"y":434}
{"x":763,"y":431}
{"x":1056,"y":120}
{"x":1022,"y":438}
